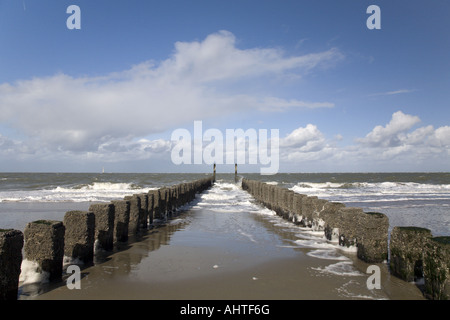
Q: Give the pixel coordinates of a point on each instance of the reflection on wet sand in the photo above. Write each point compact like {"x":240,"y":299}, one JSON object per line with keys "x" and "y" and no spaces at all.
{"x":118,"y":262}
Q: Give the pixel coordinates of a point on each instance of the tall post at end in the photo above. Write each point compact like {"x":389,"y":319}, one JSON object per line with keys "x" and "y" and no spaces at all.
{"x":214,"y":172}
{"x":235,"y":172}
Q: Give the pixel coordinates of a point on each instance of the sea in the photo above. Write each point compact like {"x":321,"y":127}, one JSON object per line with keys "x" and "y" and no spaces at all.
{"x":409,"y":199}
{"x":227,"y":219}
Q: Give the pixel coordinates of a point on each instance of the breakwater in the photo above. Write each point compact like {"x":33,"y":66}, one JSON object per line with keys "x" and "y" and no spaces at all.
{"x":412,"y":252}
{"x":48,"y":246}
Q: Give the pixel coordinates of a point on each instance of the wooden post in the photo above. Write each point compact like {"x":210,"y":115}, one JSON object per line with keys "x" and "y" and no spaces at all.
{"x":235,"y":172}
{"x":214,"y":174}
{"x":44,"y":245}
{"x":11,"y":244}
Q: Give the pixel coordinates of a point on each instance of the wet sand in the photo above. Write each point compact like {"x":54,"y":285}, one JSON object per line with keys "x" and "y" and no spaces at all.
{"x":206,"y":254}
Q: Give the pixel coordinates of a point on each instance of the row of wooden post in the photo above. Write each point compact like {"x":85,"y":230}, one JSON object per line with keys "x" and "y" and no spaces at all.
{"x":412,"y":252}
{"x":50,"y":245}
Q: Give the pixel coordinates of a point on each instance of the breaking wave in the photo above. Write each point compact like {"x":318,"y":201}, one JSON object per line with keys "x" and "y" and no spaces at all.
{"x":96,"y":191}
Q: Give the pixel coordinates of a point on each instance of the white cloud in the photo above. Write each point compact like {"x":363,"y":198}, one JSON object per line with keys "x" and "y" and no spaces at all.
{"x":304,"y":139}
{"x":390,"y":93}
{"x":217,"y":58}
{"x":393,"y":145}
{"x":123,"y":150}
{"x":393,"y":133}
{"x":441,"y":137}
{"x":305,"y":145}
{"x":86,"y":114}
{"x":278,"y":104}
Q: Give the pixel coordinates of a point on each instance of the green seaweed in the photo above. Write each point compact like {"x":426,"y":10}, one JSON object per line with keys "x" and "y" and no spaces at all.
{"x":376,"y":214}
{"x":415,"y":229}
{"x":443,"y":240}
{"x":46,"y":222}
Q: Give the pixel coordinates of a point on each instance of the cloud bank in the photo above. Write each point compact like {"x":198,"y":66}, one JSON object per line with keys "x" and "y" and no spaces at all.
{"x":396,"y":144}
{"x":200,"y":79}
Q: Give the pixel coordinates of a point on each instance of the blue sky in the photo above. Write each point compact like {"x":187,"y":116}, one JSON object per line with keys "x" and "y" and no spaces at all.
{"x":343,"y":97}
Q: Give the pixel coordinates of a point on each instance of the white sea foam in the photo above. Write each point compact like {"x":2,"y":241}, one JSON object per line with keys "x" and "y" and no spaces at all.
{"x":344,"y":268}
{"x":347,"y":289}
{"x":176,"y":221}
{"x":360,"y":190}
{"x":327,"y":254}
{"x":30,"y":274}
{"x":70,"y":260}
{"x":97,"y":191}
{"x":247,"y":235}
{"x":312,"y":244}
{"x":217,"y":196}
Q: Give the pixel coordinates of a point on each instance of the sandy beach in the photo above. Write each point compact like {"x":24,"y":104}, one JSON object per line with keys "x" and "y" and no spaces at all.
{"x":215,"y":249}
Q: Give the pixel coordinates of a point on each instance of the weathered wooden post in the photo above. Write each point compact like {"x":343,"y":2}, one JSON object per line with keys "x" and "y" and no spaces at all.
{"x":135,"y":214}
{"x":121,"y":219}
{"x":104,"y":225}
{"x":406,"y":248}
{"x":44,"y":248}
{"x":79,"y":237}
{"x":143,"y":215}
{"x":11,"y":244}
{"x":373,"y":237}
{"x":436,"y":268}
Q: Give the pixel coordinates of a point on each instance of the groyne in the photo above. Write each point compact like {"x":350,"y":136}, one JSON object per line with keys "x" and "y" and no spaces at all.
{"x":46,"y":247}
{"x":413,"y":253}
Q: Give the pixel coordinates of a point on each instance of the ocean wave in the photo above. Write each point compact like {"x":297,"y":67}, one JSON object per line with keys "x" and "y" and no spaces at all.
{"x":368,"y":191}
{"x":96,"y":191}
{"x":103,"y":186}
